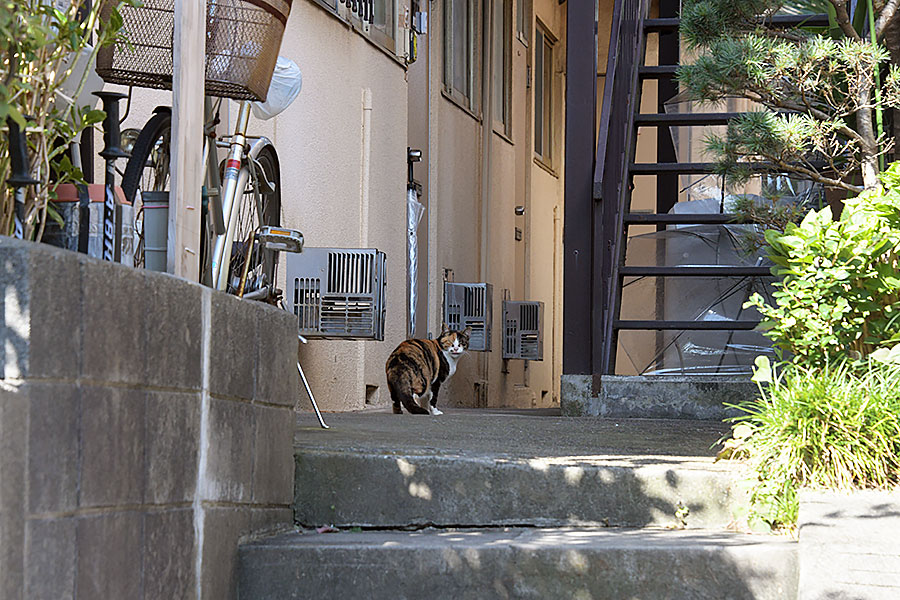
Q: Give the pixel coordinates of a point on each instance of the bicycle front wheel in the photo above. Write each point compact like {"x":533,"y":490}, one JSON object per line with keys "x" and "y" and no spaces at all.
{"x":147,"y":171}
{"x":259,"y":205}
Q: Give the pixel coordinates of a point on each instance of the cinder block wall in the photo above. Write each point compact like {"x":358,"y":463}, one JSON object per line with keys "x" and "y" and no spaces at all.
{"x":145,"y":428}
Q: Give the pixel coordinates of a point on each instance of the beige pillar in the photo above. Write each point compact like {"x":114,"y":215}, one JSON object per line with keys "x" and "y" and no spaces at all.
{"x":187,"y":139}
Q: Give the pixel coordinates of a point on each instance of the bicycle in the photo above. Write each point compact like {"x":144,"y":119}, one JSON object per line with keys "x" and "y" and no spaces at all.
{"x":243,"y":195}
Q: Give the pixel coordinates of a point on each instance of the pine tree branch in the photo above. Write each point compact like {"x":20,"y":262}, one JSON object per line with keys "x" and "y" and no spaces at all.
{"x":769,"y":100}
{"x":887,"y":13}
{"x":843,"y":18}
{"x":813,"y":175}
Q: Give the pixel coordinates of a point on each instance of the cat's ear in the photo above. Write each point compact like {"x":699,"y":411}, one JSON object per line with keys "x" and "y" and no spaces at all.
{"x":468,"y":331}
{"x":444,"y":328}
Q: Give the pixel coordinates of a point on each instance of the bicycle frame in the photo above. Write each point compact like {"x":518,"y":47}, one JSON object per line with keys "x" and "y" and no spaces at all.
{"x":234,"y":183}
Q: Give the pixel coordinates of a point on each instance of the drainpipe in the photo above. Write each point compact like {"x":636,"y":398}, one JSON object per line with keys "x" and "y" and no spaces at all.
{"x":431,"y":185}
{"x":487,"y":138}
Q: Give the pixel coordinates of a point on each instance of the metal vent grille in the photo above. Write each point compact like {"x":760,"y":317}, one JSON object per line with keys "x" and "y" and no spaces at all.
{"x":523,"y":331}
{"x":470,"y":305}
{"x":338,"y":293}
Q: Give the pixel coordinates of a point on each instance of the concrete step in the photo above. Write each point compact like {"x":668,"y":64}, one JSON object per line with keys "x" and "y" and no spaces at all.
{"x":519,"y":563}
{"x":465,"y":469}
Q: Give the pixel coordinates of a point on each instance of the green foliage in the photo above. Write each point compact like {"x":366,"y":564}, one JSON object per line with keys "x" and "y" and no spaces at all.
{"x":836,"y":427}
{"x":838,"y":294}
{"x":816,"y":89}
{"x":38,"y":43}
{"x":706,"y":20}
{"x":769,"y":210}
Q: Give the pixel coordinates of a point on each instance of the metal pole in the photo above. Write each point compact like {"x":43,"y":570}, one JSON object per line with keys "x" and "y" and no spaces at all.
{"x":111,"y":151}
{"x":18,"y":176}
{"x":311,"y":397}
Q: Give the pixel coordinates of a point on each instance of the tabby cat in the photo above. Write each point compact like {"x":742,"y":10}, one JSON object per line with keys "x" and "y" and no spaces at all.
{"x":417,"y":368}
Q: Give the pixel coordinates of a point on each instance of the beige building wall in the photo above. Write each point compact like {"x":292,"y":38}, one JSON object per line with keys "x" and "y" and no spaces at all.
{"x":342,"y":185}
{"x":345,"y":186}
{"x":472,"y":184}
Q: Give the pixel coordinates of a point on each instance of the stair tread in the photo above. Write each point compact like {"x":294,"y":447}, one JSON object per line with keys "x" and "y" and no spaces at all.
{"x":639,"y":218}
{"x":511,"y":434}
{"x":657,"y":71}
{"x":710,"y":118}
{"x":473,"y":468}
{"x":696,"y":270}
{"x":659,"y":325}
{"x":586,"y":538}
{"x":813,"y":20}
{"x":601,"y":563}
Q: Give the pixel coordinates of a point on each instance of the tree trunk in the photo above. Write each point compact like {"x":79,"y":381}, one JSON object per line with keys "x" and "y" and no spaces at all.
{"x":868,"y":146}
{"x":891,"y":41}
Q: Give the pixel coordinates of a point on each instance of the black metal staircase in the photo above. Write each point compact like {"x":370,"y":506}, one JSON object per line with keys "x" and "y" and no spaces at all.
{"x":616,"y":168}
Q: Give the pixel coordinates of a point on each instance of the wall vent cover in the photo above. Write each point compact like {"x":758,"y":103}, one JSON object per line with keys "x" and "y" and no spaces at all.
{"x":470,"y":305}
{"x":523,"y":330}
{"x":338,"y":293}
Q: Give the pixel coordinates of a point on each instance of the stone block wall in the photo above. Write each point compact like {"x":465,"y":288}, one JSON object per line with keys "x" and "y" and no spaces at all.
{"x":145,"y":429}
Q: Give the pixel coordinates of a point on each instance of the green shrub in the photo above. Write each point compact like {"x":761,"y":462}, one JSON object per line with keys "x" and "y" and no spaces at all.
{"x":838,"y":296}
{"x":834,"y":427}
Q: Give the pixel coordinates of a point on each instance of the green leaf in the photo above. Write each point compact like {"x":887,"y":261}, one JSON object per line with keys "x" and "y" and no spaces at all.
{"x":94,"y":116}
{"x":762,"y":373}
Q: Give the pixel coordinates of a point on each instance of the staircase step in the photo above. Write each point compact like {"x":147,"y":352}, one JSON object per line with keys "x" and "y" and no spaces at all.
{"x":657,"y":71}
{"x":695,"y":271}
{"x":683,"y":219}
{"x":683,"y":168}
{"x":519,"y":563}
{"x":659,"y":119}
{"x":657,"y":25}
{"x":659,"y":325}
{"x":671,"y":24}
{"x":468,"y":469}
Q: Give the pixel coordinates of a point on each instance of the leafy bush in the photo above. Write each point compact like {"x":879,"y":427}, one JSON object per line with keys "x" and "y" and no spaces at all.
{"x":38,"y":42}
{"x":835,"y":427}
{"x":838,"y":297}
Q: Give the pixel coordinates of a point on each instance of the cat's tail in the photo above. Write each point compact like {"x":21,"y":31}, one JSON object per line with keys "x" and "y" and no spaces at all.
{"x":401,"y":393}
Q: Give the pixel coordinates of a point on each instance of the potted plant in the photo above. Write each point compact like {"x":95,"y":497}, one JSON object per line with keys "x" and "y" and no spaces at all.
{"x":46,"y":59}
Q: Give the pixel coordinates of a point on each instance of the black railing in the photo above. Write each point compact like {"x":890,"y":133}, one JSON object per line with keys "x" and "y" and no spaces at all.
{"x":614,"y":146}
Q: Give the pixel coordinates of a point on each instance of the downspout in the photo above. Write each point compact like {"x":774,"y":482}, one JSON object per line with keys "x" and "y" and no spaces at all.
{"x":487,"y":138}
{"x":364,"y":185}
{"x":431,"y":183}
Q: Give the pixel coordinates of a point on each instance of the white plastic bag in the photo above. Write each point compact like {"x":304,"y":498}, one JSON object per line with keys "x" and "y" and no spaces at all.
{"x":286,"y":83}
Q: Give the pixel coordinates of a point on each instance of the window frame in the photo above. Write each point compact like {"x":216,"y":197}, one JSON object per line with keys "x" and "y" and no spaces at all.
{"x":544,"y":42}
{"x":523,"y":21}
{"x":470,"y":98}
{"x":503,"y":124}
{"x":384,"y":36}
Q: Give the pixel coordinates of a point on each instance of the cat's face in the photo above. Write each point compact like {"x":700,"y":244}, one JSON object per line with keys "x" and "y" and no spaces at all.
{"x":454,"y":342}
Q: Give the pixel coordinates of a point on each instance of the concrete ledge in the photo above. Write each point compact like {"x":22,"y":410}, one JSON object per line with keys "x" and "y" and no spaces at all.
{"x":123,"y":454}
{"x":359,"y":489}
{"x":535,"y":563}
{"x":849,"y":545}
{"x":690,"y":397}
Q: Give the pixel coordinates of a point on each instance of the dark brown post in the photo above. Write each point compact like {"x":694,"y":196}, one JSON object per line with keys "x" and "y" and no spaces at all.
{"x":579,"y":307}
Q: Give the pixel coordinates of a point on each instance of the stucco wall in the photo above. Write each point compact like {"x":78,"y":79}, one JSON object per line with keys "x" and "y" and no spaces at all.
{"x":320,"y":140}
{"x":333,"y":190}
{"x":478,"y":242}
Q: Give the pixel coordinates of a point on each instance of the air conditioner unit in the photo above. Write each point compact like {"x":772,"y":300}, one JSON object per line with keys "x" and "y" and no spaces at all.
{"x":338,"y":293}
{"x":469,"y":305}
{"x":523,"y":330}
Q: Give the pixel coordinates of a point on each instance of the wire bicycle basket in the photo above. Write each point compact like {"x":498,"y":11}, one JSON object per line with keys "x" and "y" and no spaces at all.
{"x":242,"y":42}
